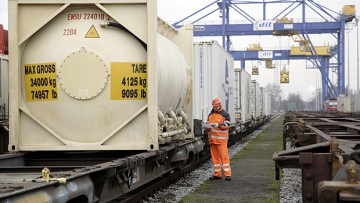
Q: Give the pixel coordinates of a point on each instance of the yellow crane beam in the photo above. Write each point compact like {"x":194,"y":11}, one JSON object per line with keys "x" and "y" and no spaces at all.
{"x":320,"y":50}
{"x":254,"y":47}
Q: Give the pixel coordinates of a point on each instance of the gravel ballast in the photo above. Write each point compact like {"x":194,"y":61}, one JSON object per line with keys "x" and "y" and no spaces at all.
{"x":253,"y":177}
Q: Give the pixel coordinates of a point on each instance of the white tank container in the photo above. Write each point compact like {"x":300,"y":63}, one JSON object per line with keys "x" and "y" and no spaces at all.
{"x":173,"y":75}
{"x":213,"y":77}
{"x":88,"y":87}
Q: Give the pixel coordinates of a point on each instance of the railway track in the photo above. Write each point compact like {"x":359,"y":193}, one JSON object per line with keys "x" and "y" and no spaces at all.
{"x":85,"y":176}
{"x":75,"y":165}
{"x":165,"y":181}
{"x":325,"y":145}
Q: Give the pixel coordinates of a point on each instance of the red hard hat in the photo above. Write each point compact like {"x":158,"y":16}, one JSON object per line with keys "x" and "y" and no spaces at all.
{"x":216,"y":102}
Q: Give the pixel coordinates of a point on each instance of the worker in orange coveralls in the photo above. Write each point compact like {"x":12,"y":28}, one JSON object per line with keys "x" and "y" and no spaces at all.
{"x":218,"y":140}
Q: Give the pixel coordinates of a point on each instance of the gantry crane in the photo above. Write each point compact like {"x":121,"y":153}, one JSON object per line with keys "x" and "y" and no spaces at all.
{"x":333,"y":23}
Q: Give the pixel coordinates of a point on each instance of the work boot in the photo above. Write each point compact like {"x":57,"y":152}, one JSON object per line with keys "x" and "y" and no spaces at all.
{"x":228,"y":178}
{"x":214,"y":178}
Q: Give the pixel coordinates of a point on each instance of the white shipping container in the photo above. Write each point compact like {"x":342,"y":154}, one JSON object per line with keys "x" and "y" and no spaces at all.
{"x":255,"y":99}
{"x":268,"y":105}
{"x":213,"y":77}
{"x":355,"y":103}
{"x":344,"y":103}
{"x":347,"y":104}
{"x":4,"y":86}
{"x":263,"y":98}
{"x":243,"y":94}
{"x":340,"y":101}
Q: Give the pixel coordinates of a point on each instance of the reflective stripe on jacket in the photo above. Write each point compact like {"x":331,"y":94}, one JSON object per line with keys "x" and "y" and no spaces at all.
{"x":219,"y":135}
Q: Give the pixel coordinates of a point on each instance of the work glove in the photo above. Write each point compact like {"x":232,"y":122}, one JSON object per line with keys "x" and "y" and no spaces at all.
{"x":215,"y":125}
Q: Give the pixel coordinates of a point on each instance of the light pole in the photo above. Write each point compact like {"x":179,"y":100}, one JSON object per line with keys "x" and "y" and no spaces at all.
{"x":348,"y":63}
{"x":357,"y":70}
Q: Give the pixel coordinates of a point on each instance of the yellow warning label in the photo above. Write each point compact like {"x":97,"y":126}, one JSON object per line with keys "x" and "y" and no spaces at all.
{"x":128,"y":81}
{"x":92,"y":33}
{"x":40,"y":82}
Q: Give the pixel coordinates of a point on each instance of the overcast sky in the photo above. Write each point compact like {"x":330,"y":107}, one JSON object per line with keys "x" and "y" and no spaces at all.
{"x":302,"y":80}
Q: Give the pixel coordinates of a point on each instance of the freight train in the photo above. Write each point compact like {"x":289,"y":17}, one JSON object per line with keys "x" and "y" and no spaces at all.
{"x":108,"y":97}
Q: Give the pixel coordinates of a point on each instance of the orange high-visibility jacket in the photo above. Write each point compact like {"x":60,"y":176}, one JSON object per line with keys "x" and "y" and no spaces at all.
{"x":219,"y":135}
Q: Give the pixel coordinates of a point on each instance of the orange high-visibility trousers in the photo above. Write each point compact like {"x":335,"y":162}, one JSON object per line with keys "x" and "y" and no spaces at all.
{"x":220,"y":158}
